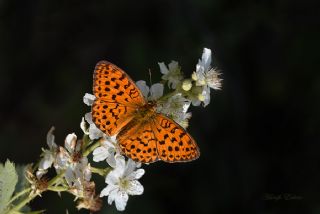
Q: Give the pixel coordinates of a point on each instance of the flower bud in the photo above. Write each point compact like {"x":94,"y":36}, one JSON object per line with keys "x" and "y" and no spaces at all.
{"x":187,"y":84}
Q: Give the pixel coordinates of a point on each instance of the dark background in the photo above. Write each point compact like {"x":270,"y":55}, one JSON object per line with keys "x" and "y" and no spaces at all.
{"x":259,"y":137}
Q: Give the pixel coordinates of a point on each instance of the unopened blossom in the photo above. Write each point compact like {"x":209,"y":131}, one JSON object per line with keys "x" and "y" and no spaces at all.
{"x":106,"y":151}
{"x":49,"y":156}
{"x":153,"y":93}
{"x":172,"y":74}
{"x":122,"y":182}
{"x":186,"y":85}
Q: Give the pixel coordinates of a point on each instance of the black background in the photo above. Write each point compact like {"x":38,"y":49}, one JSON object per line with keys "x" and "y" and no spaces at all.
{"x":259,"y":137}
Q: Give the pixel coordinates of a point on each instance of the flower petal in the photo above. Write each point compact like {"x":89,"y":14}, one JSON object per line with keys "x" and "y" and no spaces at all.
{"x":121,"y":200}
{"x":40,"y":173}
{"x":156,"y":91}
{"x":50,"y":140}
{"x":84,"y":127}
{"x":70,"y":142}
{"x":112,"y":195}
{"x":206,"y":58}
{"x":106,"y":191}
{"x":206,"y":94}
{"x":46,"y":161}
{"x":88,"y":99}
{"x":120,"y":163}
{"x":130,"y":167}
{"x":111,"y":160}
{"x":143,"y":88}
{"x":136,"y":174}
{"x":69,"y":176}
{"x":100,"y":154}
{"x":135,"y":188}
{"x":163,"y":68}
{"x":113,"y":177}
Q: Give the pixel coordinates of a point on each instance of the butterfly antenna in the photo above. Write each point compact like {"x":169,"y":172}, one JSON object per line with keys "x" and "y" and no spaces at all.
{"x":150,"y":79}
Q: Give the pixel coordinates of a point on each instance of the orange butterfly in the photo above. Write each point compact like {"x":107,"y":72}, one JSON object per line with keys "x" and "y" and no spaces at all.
{"x":143,"y":134}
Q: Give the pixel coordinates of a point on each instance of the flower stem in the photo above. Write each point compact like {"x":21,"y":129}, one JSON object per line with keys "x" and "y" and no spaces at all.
{"x":57,"y":189}
{"x":102,"y":172}
{"x":165,"y":97}
{"x":55,"y":179}
{"x":91,"y":148}
{"x":21,"y":204}
{"x":19,"y":194}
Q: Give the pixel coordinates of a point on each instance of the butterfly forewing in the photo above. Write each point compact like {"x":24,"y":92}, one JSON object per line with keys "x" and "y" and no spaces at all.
{"x":112,"y":84}
{"x":117,"y":98}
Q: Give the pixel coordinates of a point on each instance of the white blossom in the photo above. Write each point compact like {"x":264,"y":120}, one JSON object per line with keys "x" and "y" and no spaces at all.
{"x":152,"y":93}
{"x":49,"y":156}
{"x":206,"y":77}
{"x":172,"y":74}
{"x":122,"y":182}
{"x":76,"y":167}
{"x":106,"y":151}
{"x":203,"y":66}
{"x":213,"y":80}
{"x":176,"y":107}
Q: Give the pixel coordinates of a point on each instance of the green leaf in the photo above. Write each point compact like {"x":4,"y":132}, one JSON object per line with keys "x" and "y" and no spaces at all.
{"x":8,"y":181}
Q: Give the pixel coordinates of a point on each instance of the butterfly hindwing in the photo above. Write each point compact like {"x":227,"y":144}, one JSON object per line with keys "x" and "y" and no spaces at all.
{"x":137,"y":141}
{"x":174,"y":144}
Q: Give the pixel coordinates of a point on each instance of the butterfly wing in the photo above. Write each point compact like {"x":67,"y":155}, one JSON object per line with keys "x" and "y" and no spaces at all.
{"x":174,"y":144}
{"x":117,"y":98}
{"x":112,"y":84}
{"x":138,"y":142}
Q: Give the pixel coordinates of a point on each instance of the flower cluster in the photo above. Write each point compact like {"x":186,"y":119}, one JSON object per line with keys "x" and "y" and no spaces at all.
{"x":122,"y":173}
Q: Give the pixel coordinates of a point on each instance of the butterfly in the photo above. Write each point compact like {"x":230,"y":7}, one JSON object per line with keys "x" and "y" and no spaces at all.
{"x":143,"y":134}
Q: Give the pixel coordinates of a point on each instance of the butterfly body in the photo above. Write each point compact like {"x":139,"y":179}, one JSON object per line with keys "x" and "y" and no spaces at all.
{"x":144,"y":134}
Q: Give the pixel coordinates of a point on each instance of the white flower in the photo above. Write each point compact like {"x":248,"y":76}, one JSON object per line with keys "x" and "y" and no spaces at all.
{"x":106,"y":151}
{"x":77,"y":168}
{"x":176,"y":107}
{"x":205,"y":77}
{"x":49,"y":156}
{"x":122,"y":182}
{"x":173,"y":74}
{"x":203,"y":66}
{"x":153,"y":93}
{"x":213,"y":80}
{"x":88,"y":99}
{"x":93,"y":131}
